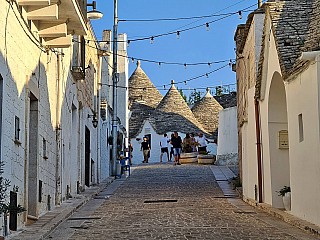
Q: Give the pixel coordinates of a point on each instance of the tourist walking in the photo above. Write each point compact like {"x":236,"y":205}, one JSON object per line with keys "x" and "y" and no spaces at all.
{"x":176,"y":143}
{"x":130,"y":150}
{"x":145,"y":147}
{"x":164,"y":146}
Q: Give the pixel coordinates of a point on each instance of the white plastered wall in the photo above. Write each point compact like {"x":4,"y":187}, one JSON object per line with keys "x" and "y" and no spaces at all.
{"x":303,"y":98}
{"x":227,"y":152}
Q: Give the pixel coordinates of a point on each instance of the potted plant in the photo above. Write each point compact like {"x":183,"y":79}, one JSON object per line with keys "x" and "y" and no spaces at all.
{"x":205,"y":158}
{"x":285,"y":192}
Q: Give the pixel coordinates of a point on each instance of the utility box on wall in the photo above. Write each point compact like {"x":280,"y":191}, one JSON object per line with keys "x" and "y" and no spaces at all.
{"x":283,"y":139}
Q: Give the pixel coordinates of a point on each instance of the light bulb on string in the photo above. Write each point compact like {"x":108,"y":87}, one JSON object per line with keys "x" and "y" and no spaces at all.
{"x":128,"y":43}
{"x":159,"y":64}
{"x":132,"y":59}
{"x":230,"y":63}
{"x":207,"y":75}
{"x":178,"y":34}
{"x":164,"y":87}
{"x":207,"y":24}
{"x":240,"y":15}
{"x":209,"y":64}
{"x":185,"y":66}
{"x":185,"y":82}
{"x":151,"y":41}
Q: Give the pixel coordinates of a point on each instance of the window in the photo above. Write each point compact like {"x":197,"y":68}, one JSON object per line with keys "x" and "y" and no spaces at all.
{"x":44,"y":147}
{"x":16,"y":128}
{"x":301,"y":137}
{"x":40,"y":191}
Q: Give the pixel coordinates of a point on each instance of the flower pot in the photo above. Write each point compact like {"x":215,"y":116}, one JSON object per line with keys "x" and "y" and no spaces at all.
{"x":287,"y":201}
{"x":189,"y":157}
{"x":206,"y":159}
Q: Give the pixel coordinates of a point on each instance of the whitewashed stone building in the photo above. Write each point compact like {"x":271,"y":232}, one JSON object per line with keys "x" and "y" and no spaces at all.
{"x":278,"y":105}
{"x":52,"y":135}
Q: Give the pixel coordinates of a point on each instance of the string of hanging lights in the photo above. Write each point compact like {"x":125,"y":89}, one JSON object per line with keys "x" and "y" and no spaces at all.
{"x":133,"y":59}
{"x":178,"y":33}
{"x":183,"y":81}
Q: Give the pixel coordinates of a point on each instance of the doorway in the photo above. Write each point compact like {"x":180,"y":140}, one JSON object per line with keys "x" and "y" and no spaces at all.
{"x":13,"y":215}
{"x":277,"y":124}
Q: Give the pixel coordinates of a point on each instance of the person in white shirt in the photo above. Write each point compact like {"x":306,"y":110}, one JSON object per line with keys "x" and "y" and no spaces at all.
{"x":164,"y":146}
{"x":203,"y":142}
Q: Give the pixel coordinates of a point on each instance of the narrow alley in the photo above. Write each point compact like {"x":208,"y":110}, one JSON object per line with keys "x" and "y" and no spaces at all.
{"x":162,"y":201}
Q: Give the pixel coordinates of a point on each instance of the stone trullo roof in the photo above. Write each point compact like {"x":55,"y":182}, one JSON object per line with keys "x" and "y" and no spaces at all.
{"x":173,"y":114}
{"x":207,"y":112}
{"x":144,"y":97}
{"x":295,"y":25}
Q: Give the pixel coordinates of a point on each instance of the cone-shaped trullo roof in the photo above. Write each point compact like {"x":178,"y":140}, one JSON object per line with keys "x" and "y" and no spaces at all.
{"x":142,"y":89}
{"x":144,"y":97}
{"x":207,"y":113}
{"x":173,"y":114}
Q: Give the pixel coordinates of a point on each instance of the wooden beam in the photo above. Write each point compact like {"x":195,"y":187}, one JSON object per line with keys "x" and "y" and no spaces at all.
{"x":53,"y":31}
{"x":43,"y":13}
{"x":62,"y":42}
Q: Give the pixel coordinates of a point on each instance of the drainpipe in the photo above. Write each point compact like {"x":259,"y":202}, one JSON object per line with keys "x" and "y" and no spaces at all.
{"x":25,"y":185}
{"x":58,"y":134}
{"x":256,"y":104}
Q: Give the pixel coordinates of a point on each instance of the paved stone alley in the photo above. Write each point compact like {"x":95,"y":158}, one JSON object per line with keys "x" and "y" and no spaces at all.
{"x":162,"y":201}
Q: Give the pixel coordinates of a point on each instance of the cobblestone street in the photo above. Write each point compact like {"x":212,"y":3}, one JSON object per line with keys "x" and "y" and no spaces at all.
{"x":195,"y":209}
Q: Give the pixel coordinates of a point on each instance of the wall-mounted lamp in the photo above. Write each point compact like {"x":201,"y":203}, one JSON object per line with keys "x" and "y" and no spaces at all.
{"x":94,"y":120}
{"x":94,"y":14}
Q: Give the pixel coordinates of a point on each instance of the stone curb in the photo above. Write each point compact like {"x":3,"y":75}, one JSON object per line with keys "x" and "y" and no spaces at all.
{"x":101,"y":186}
{"x":63,"y":216}
{"x":285,"y":216}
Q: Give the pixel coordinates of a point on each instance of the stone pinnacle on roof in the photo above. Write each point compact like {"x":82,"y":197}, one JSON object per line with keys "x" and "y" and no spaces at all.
{"x":173,"y":114}
{"x":206,"y":112}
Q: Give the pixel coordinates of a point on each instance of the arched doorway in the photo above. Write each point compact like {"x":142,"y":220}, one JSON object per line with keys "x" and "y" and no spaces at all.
{"x":278,"y":148}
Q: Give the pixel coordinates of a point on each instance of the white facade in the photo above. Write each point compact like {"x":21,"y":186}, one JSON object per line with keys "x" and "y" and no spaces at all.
{"x":49,"y":145}
{"x":227,"y":152}
{"x":293,"y":106}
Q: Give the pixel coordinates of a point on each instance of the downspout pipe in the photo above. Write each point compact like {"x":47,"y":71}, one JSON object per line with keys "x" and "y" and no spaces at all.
{"x":256,"y":104}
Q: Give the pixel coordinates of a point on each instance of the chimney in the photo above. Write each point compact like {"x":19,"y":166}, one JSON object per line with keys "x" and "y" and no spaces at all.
{"x":106,"y":37}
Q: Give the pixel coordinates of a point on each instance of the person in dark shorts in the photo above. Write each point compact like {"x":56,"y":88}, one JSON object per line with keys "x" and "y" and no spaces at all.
{"x":176,"y":143}
{"x":145,"y":148}
{"x":164,"y":146}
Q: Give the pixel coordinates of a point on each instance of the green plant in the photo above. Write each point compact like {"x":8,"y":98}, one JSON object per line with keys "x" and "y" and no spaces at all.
{"x":283,"y":191}
{"x":204,"y":152}
{"x":5,"y":206}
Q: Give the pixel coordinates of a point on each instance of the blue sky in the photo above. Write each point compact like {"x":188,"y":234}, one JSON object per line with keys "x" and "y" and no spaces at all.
{"x":197,"y":45}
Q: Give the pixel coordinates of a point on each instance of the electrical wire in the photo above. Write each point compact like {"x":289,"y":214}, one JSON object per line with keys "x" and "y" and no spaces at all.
{"x":162,"y":62}
{"x":164,"y":85}
{"x":175,"y":19}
